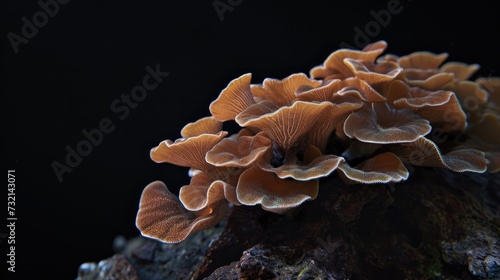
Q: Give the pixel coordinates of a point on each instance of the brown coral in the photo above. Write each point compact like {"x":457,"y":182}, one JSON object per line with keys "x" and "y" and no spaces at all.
{"x":363,"y":115}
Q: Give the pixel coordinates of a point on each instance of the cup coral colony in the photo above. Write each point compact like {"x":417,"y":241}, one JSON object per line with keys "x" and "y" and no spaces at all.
{"x":361,"y":115}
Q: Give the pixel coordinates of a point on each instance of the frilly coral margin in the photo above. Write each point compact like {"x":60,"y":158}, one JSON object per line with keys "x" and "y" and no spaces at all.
{"x":364,"y":115}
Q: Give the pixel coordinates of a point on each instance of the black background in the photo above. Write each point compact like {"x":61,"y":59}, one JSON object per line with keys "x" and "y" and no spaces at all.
{"x":66,"y":77}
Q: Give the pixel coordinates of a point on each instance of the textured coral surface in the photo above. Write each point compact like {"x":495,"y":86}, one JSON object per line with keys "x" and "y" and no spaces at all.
{"x":361,"y":116}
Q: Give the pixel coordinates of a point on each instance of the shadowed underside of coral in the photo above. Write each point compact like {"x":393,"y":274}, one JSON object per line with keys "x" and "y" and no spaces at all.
{"x":436,"y":225}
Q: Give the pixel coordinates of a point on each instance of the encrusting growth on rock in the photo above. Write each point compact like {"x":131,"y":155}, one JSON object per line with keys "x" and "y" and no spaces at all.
{"x":365,"y":116}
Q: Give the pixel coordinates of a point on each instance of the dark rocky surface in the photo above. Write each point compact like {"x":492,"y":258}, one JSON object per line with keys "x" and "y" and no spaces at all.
{"x":436,"y":225}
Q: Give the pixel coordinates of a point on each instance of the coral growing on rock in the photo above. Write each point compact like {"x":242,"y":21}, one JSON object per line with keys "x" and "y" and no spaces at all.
{"x":359,"y":115}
